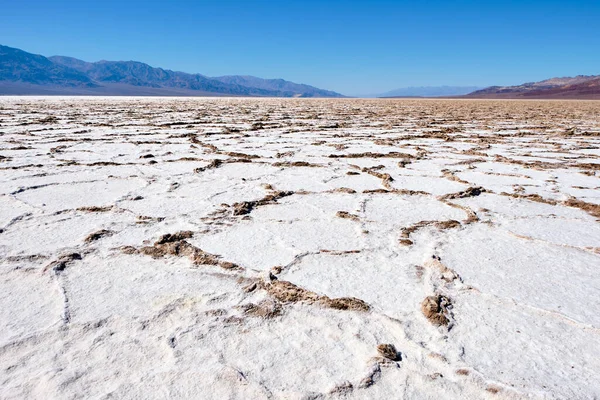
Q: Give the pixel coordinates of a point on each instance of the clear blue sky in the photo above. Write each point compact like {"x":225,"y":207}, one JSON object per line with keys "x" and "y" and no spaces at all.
{"x":354,"y":47}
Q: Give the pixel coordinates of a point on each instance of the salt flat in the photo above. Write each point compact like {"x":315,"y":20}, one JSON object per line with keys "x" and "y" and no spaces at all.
{"x":267,"y":248}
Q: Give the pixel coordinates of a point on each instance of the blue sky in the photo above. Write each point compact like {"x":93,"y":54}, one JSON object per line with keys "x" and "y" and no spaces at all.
{"x":354,"y":47}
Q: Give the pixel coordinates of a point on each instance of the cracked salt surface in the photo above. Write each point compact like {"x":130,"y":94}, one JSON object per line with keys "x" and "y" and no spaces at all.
{"x":304,"y":234}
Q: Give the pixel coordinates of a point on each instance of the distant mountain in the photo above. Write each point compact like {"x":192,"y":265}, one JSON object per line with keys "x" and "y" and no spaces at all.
{"x":579,"y":87}
{"x":26,"y":73}
{"x":19,"y":66}
{"x":275,"y":84}
{"x":430,"y":91}
{"x":138,"y":74}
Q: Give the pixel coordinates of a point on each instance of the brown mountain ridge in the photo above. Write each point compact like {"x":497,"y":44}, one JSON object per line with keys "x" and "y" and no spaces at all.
{"x":585,"y":87}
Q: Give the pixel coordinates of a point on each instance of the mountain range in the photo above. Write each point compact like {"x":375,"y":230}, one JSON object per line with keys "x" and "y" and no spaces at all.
{"x":26,"y":73}
{"x":430,"y":91}
{"x":23,"y":73}
{"x":579,"y":87}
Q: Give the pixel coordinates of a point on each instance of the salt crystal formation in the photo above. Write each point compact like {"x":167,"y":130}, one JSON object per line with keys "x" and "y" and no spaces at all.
{"x":294,"y":249}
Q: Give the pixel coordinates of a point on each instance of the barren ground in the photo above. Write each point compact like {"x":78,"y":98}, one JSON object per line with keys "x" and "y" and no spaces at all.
{"x":299,"y":249}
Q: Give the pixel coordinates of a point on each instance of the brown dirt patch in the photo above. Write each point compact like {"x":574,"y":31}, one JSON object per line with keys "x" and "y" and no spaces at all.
{"x":493,"y":389}
{"x":287,"y":292}
{"x":470,"y":192}
{"x":441,"y":225}
{"x":533,"y":197}
{"x":590,"y":208}
{"x":388,"y":351}
{"x":345,"y":303}
{"x":175,"y":245}
{"x":92,"y":237}
{"x":63,"y":261}
{"x":266,"y":309}
{"x":435,"y":309}
{"x":342,"y":190}
{"x":392,"y":154}
{"x":216,"y":163}
{"x":347,"y":215}
{"x":95,"y":209}
{"x":246,"y":207}
{"x":295,"y":164}
{"x":174,"y":237}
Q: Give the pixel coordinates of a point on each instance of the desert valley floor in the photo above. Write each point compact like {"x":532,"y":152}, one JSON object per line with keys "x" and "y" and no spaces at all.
{"x":299,"y":249}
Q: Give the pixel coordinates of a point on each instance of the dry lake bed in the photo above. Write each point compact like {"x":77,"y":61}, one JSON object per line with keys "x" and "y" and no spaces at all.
{"x":223,"y":248}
